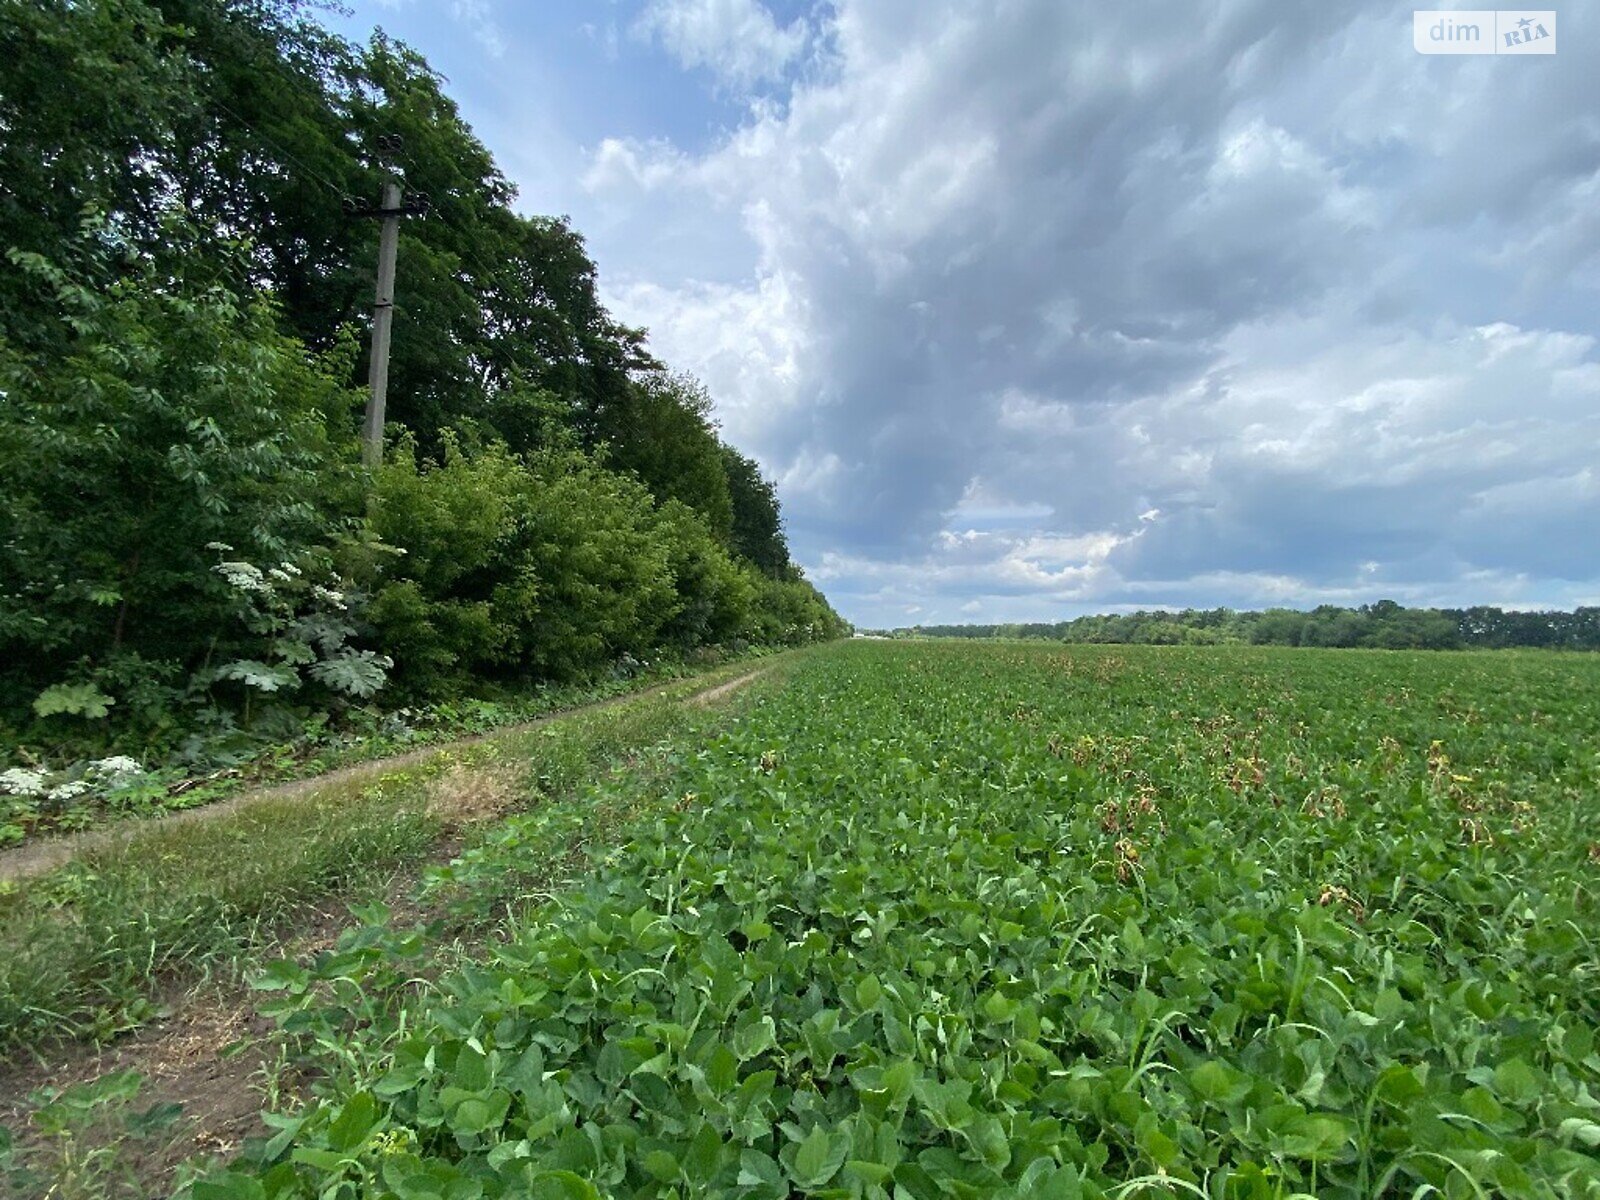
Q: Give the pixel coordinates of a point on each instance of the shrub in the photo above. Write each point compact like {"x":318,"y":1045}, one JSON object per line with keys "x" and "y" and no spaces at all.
{"x":513,"y":569}
{"x":162,"y":419}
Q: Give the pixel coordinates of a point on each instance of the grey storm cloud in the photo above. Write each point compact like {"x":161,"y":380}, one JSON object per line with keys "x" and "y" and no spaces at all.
{"x":1232,"y":300}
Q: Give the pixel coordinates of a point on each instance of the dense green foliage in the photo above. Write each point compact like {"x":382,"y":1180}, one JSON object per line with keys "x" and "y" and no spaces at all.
{"x":946,"y":920}
{"x":538,"y":566}
{"x":192,"y":558}
{"x":1382,"y":626}
{"x":169,"y":433}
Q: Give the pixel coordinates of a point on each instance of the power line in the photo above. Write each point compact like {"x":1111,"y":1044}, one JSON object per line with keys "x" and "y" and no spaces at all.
{"x":466,"y":249}
{"x":283,"y":150}
{"x":466,"y":238}
{"x":390,"y":143}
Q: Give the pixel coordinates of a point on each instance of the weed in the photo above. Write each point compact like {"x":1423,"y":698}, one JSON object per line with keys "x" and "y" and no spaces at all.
{"x":82,"y":1140}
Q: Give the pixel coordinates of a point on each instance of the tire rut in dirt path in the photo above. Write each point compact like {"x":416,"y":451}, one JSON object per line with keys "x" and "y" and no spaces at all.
{"x":36,"y":858}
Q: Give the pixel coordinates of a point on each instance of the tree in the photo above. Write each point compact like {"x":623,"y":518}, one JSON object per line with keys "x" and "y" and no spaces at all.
{"x":660,"y":428}
{"x":716,"y":599}
{"x":1413,"y":629}
{"x":1278,"y":627}
{"x":179,"y":337}
{"x":88,"y":98}
{"x":166,"y":420}
{"x":545,"y":324}
{"x":1328,"y":625}
{"x":757,"y":523}
{"x":521,"y":570}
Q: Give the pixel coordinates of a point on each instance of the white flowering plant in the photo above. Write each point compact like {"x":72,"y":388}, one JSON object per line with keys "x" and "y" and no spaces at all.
{"x":306,"y":625}
{"x":71,"y":797}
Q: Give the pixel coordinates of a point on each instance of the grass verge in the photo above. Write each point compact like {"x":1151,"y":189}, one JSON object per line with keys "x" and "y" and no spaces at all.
{"x":370,"y":736}
{"x":86,"y":950}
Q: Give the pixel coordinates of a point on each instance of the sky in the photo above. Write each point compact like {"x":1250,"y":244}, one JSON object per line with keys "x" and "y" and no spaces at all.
{"x":1034,"y":309}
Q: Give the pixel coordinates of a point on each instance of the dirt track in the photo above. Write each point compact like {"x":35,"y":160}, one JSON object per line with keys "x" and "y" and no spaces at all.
{"x":35,"y":858}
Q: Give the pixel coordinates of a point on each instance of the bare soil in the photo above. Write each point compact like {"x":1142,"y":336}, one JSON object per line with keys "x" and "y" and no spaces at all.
{"x":208,"y":1056}
{"x":711,"y":695}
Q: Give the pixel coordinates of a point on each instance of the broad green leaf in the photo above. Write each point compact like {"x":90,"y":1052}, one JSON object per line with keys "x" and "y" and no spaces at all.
{"x":1217,"y":1083}
{"x":562,"y":1185}
{"x":818,"y":1157}
{"x":1516,"y":1081}
{"x":868,"y":992}
{"x":753,"y":1036}
{"x":73,"y":699}
{"x":662,"y":1164}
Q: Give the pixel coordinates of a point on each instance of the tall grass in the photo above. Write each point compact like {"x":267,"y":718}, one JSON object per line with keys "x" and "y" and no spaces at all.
{"x":86,"y":949}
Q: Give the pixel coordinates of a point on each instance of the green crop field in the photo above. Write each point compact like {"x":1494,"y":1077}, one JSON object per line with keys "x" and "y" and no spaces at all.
{"x":937,"y":919}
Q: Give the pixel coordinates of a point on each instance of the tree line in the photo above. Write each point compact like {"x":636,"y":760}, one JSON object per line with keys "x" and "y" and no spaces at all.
{"x":187,"y":537}
{"x":1385,"y":625}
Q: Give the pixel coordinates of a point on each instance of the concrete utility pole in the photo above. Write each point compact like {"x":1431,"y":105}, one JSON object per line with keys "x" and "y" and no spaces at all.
{"x":382,"y":326}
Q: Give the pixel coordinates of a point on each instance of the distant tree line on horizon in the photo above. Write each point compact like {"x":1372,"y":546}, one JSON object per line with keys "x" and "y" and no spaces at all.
{"x":1385,"y":625}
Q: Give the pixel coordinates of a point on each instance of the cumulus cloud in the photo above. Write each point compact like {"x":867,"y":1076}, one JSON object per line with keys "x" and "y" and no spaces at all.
{"x":739,"y":41}
{"x":749,"y":345}
{"x":478,"y":16}
{"x":626,"y":163}
{"x":1316,"y":446}
{"x":1216,"y":303}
